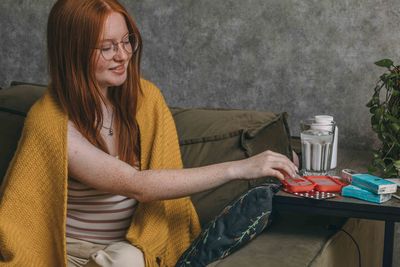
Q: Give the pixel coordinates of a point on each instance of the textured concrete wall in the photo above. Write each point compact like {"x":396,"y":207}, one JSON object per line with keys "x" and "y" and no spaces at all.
{"x":305,"y":57}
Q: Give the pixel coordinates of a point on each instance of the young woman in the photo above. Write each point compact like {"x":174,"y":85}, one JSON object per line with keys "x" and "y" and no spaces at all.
{"x":112,"y":191}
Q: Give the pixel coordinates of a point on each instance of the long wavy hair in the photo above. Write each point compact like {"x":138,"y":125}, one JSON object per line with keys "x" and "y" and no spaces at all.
{"x":74,"y":28}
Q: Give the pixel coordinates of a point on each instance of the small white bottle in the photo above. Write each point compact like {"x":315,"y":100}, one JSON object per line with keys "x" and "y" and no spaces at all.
{"x":325,"y":119}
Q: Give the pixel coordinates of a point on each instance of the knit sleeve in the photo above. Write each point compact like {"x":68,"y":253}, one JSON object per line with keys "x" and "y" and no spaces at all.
{"x":163,"y":138}
{"x":34,"y":191}
{"x":161,"y":229}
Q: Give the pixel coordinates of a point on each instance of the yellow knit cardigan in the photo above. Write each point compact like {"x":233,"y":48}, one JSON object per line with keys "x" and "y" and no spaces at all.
{"x":34,"y":193}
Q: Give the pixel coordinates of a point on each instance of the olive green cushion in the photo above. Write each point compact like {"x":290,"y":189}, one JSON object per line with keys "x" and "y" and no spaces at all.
{"x":210,"y":136}
{"x":15,"y":102}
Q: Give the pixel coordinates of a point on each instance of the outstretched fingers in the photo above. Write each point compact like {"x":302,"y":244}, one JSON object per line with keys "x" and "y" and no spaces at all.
{"x":278,"y":165}
{"x":268,"y":163}
{"x":283,"y":167}
{"x":277,"y":174}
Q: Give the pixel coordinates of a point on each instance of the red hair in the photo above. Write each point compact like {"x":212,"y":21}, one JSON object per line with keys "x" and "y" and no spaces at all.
{"x":74,"y":28}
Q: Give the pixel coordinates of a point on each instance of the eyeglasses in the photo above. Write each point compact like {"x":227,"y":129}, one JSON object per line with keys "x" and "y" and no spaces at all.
{"x":109,"y":49}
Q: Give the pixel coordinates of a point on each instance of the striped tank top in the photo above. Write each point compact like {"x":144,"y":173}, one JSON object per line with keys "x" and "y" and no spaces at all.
{"x":96,"y":216}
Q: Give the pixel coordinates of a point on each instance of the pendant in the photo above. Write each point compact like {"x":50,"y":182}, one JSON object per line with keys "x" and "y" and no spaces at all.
{"x":110,"y":132}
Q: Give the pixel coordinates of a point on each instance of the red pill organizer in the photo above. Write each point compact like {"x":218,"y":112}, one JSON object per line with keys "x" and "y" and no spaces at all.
{"x":298,"y":184}
{"x":316,"y":187}
{"x":325,"y":183}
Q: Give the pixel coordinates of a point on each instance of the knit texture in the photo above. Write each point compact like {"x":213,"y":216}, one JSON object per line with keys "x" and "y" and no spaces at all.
{"x":34,"y":192}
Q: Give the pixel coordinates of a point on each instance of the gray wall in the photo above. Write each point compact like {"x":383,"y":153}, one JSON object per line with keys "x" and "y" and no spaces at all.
{"x":300,"y":56}
{"x":305,"y":57}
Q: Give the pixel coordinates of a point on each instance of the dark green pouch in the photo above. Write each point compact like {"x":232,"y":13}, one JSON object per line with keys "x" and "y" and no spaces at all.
{"x":234,"y":227}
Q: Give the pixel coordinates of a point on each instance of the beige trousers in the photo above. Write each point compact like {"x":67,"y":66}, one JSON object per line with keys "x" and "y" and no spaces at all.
{"x":119,"y":254}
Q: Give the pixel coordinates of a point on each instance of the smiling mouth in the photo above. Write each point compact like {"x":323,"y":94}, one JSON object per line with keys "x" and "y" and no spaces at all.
{"x":118,"y":69}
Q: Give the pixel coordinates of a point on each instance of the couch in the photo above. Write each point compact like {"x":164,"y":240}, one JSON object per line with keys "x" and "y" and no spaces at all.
{"x":209,"y":136}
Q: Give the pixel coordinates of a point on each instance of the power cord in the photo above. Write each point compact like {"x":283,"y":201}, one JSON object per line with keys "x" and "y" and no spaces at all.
{"x":334,"y":227}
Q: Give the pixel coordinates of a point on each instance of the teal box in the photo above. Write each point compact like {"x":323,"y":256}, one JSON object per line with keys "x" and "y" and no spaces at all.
{"x":373,"y":183}
{"x":356,"y":192}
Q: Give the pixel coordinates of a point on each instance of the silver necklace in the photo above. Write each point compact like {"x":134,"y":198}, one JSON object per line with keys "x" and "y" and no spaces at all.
{"x":110,"y":130}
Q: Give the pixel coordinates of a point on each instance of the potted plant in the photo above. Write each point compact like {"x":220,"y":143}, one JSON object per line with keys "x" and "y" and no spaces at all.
{"x":385,"y":120}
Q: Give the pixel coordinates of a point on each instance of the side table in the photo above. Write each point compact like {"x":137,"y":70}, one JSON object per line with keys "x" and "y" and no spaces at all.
{"x":350,"y":208}
{"x":389,"y":212}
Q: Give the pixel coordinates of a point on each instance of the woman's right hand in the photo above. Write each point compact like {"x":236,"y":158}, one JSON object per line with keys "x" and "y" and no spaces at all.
{"x":267,"y":163}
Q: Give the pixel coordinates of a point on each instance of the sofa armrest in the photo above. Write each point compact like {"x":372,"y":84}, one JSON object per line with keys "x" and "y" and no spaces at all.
{"x":15,"y":102}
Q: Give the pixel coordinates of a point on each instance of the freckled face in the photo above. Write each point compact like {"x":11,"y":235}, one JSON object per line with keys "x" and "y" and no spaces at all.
{"x":112,"y":72}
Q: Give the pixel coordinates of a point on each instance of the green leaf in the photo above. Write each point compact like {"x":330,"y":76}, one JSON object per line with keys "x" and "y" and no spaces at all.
{"x":371,"y":103}
{"x":374,"y":120}
{"x":372,"y":169}
{"x":395,"y":127}
{"x":396,"y":164}
{"x":395,"y":110}
{"x":392,"y":118}
{"x":378,"y":87}
{"x":375,"y":128}
{"x":376,"y":155}
{"x":379,"y":162}
{"x":382,"y":128}
{"x":374,"y":101}
{"x":393,"y":76}
{"x":373,"y":109}
{"x":389,"y":84}
{"x":384,"y":63}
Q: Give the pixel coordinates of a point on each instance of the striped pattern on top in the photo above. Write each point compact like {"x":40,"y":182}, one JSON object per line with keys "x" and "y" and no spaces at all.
{"x":96,"y":216}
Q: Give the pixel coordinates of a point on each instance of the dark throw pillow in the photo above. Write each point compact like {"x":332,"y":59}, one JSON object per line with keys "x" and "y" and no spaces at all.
{"x":235,"y":226}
